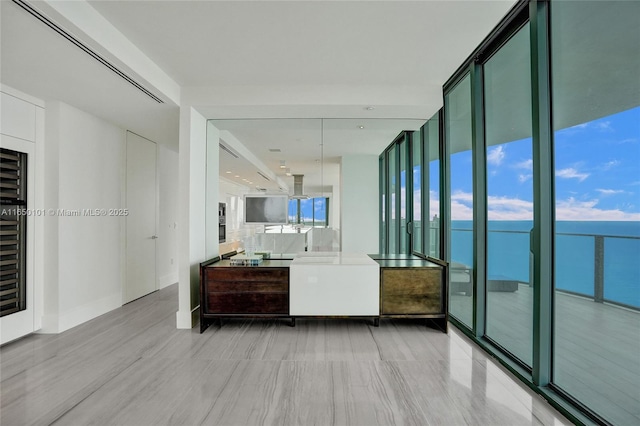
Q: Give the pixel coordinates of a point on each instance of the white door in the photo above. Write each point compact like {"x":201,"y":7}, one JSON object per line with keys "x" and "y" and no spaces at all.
{"x":141,"y":201}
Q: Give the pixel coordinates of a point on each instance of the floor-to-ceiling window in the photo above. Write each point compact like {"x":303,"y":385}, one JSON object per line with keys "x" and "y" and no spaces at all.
{"x":393,"y":185}
{"x":403,"y":196}
{"x":432,"y":213}
{"x":383,"y":203}
{"x":416,"y":204}
{"x":309,"y":211}
{"x":458,"y":134}
{"x":397,"y":188}
{"x":541,"y":197}
{"x":596,"y":121}
{"x":509,"y":161}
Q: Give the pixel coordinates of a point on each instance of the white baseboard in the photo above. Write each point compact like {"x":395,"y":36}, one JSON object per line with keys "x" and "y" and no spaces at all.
{"x":183,"y":320}
{"x":167,"y":280}
{"x":80,"y":314}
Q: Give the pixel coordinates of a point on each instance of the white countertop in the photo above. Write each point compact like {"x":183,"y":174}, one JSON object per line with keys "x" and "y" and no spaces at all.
{"x":331,"y":258}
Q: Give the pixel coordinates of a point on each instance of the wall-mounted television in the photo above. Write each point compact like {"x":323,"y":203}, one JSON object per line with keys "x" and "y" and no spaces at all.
{"x":261,"y":209}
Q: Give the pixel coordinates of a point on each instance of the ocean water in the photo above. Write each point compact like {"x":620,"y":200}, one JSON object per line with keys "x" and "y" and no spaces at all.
{"x":508,"y":254}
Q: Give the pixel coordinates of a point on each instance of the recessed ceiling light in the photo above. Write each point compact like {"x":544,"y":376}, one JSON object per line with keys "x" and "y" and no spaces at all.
{"x":237,"y":175}
{"x":369,"y":108}
{"x":360,"y":127}
{"x":228,"y":172}
{"x":283,"y":165}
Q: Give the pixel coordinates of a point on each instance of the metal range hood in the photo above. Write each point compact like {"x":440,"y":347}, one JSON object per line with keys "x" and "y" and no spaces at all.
{"x":298,"y":190}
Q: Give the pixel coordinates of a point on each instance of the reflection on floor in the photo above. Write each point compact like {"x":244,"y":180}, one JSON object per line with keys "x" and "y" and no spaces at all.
{"x":132,"y":366}
{"x":596,"y":346}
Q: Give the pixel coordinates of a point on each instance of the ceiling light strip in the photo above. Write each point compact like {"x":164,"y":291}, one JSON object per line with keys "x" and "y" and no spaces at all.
{"x":85,"y":48}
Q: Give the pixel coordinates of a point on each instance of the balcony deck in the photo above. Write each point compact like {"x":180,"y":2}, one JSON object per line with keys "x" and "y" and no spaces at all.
{"x":597,"y":346}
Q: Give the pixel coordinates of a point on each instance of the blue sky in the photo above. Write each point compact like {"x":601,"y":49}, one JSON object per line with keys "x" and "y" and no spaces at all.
{"x":597,"y":174}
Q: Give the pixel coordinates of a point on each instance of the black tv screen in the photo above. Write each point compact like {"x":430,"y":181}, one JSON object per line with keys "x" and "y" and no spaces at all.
{"x":266,"y":209}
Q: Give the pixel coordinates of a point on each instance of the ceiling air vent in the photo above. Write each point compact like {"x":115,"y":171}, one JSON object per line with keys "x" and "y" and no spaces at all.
{"x":264,"y":176}
{"x":224,"y":148}
{"x":86,"y":49}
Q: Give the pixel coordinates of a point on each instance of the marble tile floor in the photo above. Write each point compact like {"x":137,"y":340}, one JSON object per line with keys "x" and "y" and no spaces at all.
{"x":132,"y":366}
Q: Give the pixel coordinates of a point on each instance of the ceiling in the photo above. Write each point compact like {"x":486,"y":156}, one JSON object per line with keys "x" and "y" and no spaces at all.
{"x":234,"y":60}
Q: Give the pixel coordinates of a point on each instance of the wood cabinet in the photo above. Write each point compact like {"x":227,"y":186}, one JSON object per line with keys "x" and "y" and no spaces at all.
{"x":243,"y":291}
{"x":412,"y":287}
{"x":410,"y":291}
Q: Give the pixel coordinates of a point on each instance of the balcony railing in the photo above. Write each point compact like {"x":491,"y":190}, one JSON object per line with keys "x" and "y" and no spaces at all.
{"x":605,"y":268}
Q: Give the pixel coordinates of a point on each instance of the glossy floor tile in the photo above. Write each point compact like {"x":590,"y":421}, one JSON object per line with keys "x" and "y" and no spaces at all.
{"x":133,"y":367}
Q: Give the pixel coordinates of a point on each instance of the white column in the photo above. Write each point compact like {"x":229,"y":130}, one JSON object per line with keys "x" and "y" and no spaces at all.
{"x":192,"y":158}
{"x":359,"y":224}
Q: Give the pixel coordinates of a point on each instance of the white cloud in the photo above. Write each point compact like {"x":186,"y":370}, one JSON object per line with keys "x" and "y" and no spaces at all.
{"x":460,"y":211}
{"x":495,"y":156}
{"x":523,"y":178}
{"x":610,"y":164}
{"x":461,"y":206}
{"x":461,"y":196}
{"x":572,"y":209}
{"x":571,"y":173}
{"x":605,"y":125}
{"x":580,"y":126}
{"x":499,"y":208}
{"x":628,"y":140}
{"x":526,"y":164}
{"x":610,"y":191}
{"x":507,"y":208}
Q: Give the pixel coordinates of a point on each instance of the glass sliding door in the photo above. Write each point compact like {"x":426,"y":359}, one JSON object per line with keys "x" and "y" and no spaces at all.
{"x":457,"y":104}
{"x":417,"y":220}
{"x":393,"y":185}
{"x":383,"y":203}
{"x":509,"y":154}
{"x":402,"y":195}
{"x":596,"y":117}
{"x":432,"y":176}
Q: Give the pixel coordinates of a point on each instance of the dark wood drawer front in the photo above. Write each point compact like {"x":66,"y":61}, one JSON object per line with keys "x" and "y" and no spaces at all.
{"x":248,"y":274}
{"x":411,"y":291}
{"x":247,"y":287}
{"x":248,"y":303}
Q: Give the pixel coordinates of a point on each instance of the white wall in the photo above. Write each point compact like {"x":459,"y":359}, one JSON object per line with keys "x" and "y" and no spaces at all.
{"x":84,"y":161}
{"x":76,"y":162}
{"x":359,"y":205}
{"x":167,"y":254}
{"x":84,"y":256}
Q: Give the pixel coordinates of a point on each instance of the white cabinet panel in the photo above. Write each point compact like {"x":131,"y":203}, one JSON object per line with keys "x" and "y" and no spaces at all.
{"x":334,"y":284}
{"x":18,"y":118}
